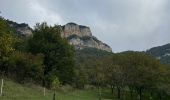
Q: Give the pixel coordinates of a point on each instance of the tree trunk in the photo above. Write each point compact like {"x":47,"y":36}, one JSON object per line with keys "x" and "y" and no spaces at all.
{"x":140,"y":94}
{"x":160,"y":96}
{"x":112,"y":88}
{"x":131,"y":93}
{"x":151,"y":94}
{"x":118,"y":92}
{"x":44,"y":91}
{"x":54,"y":96}
{"x":99,"y":90}
{"x":2,"y":83}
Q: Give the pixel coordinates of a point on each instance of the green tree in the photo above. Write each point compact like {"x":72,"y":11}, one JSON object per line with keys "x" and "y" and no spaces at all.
{"x":25,"y":67}
{"x":97,"y":74}
{"x":55,"y":86}
{"x":135,"y":70}
{"x":7,"y":41}
{"x":58,"y":54}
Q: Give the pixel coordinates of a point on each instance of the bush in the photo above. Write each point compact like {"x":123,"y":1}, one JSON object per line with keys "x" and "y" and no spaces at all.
{"x":25,"y":67}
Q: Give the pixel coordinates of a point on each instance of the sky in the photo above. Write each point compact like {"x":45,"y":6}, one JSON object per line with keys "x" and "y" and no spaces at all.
{"x":122,"y":24}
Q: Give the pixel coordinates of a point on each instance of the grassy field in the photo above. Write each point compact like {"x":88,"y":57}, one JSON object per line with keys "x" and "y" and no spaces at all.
{"x":15,"y":91}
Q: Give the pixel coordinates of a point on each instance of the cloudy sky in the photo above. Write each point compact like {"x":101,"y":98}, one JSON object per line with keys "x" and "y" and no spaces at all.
{"x":122,"y":24}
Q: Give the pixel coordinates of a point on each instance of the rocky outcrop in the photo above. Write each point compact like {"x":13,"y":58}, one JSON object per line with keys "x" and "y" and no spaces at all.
{"x":81,"y":37}
{"x":74,"y":29}
{"x":26,"y":31}
{"x":23,"y":29}
{"x":78,"y":35}
{"x":87,"y":41}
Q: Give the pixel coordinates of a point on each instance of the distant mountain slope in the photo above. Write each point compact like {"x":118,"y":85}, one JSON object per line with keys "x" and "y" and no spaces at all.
{"x":161,"y":52}
{"x":91,"y":53}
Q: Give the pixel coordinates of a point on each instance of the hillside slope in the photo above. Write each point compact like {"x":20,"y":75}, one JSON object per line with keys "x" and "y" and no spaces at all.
{"x":161,"y":52}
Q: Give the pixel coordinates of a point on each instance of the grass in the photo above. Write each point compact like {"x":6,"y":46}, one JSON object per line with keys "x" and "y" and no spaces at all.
{"x":15,"y":91}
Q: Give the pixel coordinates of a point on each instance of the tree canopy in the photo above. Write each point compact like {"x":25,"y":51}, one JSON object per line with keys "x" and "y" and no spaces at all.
{"x":58,"y":54}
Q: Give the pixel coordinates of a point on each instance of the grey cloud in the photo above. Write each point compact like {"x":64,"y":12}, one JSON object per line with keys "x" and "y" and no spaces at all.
{"x":123,"y":24}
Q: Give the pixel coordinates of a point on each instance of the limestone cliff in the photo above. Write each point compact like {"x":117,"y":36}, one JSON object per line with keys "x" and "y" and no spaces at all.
{"x":74,"y":29}
{"x":81,"y":37}
{"x":23,"y":29}
{"x":78,"y":35}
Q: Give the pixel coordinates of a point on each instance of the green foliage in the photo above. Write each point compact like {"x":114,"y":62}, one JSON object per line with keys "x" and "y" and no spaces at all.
{"x":86,"y":61}
{"x":89,"y":54}
{"x":55,"y":83}
{"x":161,"y":52}
{"x":81,"y":77}
{"x":43,"y":56}
{"x":6,"y":44}
{"x":135,"y":71}
{"x":20,"y":66}
{"x":4,"y":28}
{"x":47,"y":57}
{"x":138,"y":71}
{"x":59,"y":55}
{"x":7,"y":41}
{"x":144,"y":68}
{"x":92,"y":52}
{"x":25,"y":67}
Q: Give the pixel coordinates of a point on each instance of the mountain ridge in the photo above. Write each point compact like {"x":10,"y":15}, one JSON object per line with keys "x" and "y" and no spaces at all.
{"x":79,"y":36}
{"x":161,"y":52}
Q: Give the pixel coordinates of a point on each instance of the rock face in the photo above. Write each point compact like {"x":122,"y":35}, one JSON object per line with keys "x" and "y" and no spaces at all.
{"x":81,"y":37}
{"x":26,"y":31}
{"x":74,"y":29}
{"x":22,"y":28}
{"x":77,"y":35}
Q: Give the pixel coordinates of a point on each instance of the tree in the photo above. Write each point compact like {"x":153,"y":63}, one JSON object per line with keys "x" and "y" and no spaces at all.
{"x":55,"y":86}
{"x":119,"y":74}
{"x":81,"y":77}
{"x":97,"y":74}
{"x":135,"y":70}
{"x":163,"y":83}
{"x":7,"y":41}
{"x":2,"y":84}
{"x":6,"y":48}
{"x":58,"y":54}
{"x":25,"y":67}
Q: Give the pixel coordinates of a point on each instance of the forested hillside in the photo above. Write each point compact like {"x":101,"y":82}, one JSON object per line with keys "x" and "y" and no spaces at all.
{"x":161,"y":52}
{"x":46,"y":59}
